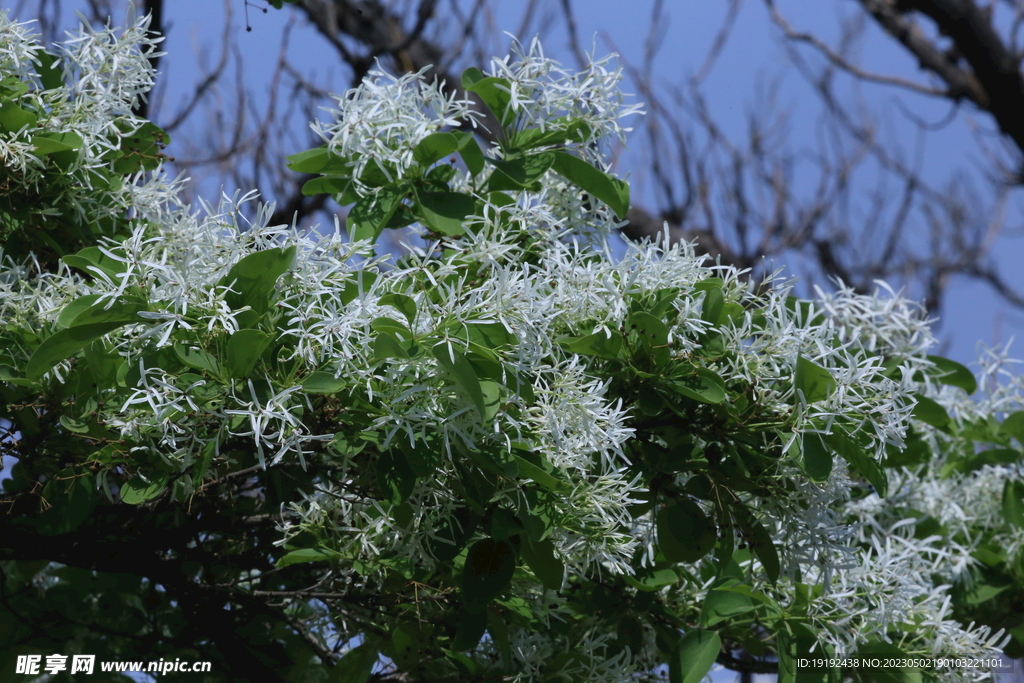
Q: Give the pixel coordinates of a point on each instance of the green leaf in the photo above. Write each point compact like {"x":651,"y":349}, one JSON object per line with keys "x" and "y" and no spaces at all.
{"x":435,"y":147}
{"x":471,"y":77}
{"x":881,"y":674}
{"x":470,"y":629}
{"x":50,"y":74}
{"x":63,"y":344}
{"x":556,"y":132}
{"x":370,"y":215}
{"x":930,"y":412}
{"x":540,"y":558}
{"x":655,"y":580}
{"x":470,"y":151}
{"x":498,"y":631}
{"x":815,"y":382}
{"x":252,"y":279}
{"x":103,"y":365}
{"x":1013,"y":503}
{"x":759,"y":540}
{"x":661,"y":306}
{"x":704,"y":386}
{"x":952,"y":373}
{"x":442,"y":174}
{"x":525,"y":170}
{"x":137,"y":490}
{"x":488,"y":335}
{"x":1013,"y":426}
{"x":71,"y":311}
{"x":244,"y":348}
{"x":392,"y":327}
{"x":720,"y":605}
{"x":492,"y":399}
{"x":860,"y":460}
{"x":197,"y":359}
{"x":357,"y":664}
{"x":123,"y":311}
{"x":714,"y":304}
{"x":91,"y":259}
{"x":989,"y":456}
{"x":315,"y":160}
{"x":685,"y":534}
{"x":488,"y":570}
{"x":72,"y":497}
{"x":452,"y":534}
{"x":694,"y":657}
{"x":607,"y":188}
{"x":600,"y":344}
{"x":405,"y":647}
{"x":306,"y":555}
{"x":503,"y":523}
{"x":385,"y":346}
{"x":406,"y":305}
{"x":653,"y":334}
{"x":333,"y":185}
{"x":48,"y":143}
{"x":493,"y":91}
{"x":141,"y":149}
{"x":731,"y":586}
{"x":12,"y":88}
{"x":394,"y":477}
{"x":13,"y":118}
{"x":528,"y":470}
{"x":462,"y":372}
{"x":73,"y":425}
{"x":817,"y":458}
{"x":981,"y":593}
{"x":446,"y":212}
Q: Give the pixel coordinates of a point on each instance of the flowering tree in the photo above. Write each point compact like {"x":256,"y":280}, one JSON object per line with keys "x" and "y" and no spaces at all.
{"x":502,"y":455}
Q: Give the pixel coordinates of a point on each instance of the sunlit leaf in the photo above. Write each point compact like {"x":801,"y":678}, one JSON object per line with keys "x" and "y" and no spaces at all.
{"x":435,"y":147}
{"x":306,"y":555}
{"x":813,"y":381}
{"x":930,"y":412}
{"x":65,"y":343}
{"x":138,"y":490}
{"x":694,"y":657}
{"x":462,"y":372}
{"x":446,"y":212}
{"x":952,"y":373}
{"x":244,"y":348}
{"x":607,"y":188}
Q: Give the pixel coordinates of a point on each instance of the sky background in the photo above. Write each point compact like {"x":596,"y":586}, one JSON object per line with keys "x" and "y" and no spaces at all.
{"x":754,"y":56}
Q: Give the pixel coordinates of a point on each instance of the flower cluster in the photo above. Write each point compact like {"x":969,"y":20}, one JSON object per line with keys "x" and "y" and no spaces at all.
{"x":506,"y":429}
{"x":69,"y":135}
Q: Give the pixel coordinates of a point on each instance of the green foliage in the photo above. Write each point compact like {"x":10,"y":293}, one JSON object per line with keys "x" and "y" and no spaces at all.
{"x":696,"y":653}
{"x":74,"y":190}
{"x":504,"y":455}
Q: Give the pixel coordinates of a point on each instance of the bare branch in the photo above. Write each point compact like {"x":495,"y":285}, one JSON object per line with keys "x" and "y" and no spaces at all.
{"x":995,"y":68}
{"x":720,"y":39}
{"x":573,"y":32}
{"x":841,"y":62}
